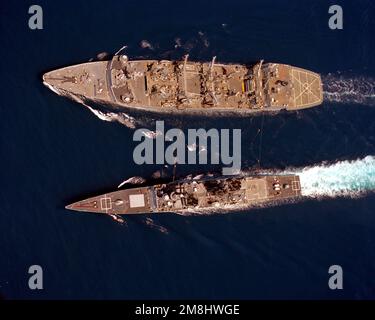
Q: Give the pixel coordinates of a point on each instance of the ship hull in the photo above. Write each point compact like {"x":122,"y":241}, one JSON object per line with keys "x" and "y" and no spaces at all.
{"x":194,"y":195}
{"x":188,"y":87}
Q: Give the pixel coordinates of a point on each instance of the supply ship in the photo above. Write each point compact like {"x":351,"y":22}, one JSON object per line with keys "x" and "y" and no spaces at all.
{"x":187,"y":86}
{"x":194,"y":194}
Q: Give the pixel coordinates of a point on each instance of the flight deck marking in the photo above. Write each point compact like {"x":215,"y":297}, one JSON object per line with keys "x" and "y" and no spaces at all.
{"x":306,"y":86}
{"x":105,"y":204}
{"x":296,"y":186}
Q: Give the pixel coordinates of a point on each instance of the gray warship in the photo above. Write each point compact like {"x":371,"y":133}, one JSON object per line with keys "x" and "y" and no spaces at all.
{"x":187,"y":86}
{"x":194,"y":195}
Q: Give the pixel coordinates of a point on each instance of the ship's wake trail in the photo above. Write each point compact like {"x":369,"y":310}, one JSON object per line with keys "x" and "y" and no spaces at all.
{"x":343,"y":178}
{"x":102,"y":113}
{"x":350,"y":179}
{"x":344,"y":89}
{"x":120,"y":117}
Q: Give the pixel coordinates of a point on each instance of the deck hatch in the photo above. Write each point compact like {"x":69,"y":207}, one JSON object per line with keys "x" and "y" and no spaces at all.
{"x":136,"y":200}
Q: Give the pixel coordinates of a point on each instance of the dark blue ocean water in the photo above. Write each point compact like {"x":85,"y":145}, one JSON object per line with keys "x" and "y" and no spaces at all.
{"x":55,"y":151}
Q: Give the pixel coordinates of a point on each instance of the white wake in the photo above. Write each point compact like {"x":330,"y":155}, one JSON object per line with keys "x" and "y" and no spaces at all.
{"x":343,"y":178}
{"x":339,"y":88}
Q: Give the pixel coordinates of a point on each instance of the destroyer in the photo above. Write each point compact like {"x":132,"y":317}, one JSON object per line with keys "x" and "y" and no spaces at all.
{"x":186,"y":86}
{"x":184,"y":195}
